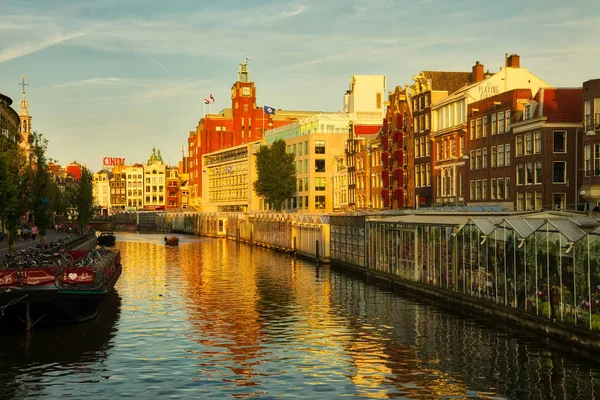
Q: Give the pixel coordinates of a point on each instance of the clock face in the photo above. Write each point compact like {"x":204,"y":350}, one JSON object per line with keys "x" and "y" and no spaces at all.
{"x":246,"y":91}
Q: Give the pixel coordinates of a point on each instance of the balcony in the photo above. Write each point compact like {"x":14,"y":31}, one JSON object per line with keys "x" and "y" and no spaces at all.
{"x":592,"y":122}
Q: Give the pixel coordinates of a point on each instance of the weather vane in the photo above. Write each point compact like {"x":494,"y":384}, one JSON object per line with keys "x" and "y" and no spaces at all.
{"x":23,"y":83}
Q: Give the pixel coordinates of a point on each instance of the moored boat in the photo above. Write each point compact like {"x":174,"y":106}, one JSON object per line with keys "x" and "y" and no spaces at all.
{"x":106,"y":238}
{"x":74,"y":289}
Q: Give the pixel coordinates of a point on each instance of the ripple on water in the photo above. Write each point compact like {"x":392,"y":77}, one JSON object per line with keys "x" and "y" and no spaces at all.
{"x":214,"y":319}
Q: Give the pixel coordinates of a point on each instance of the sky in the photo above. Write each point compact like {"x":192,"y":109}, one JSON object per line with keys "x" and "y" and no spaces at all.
{"x":115,"y":78}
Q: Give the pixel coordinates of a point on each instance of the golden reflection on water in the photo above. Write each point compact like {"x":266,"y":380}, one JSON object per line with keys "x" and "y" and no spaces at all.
{"x":262,"y":315}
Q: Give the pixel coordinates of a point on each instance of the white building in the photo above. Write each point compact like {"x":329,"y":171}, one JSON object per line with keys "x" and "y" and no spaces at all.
{"x":101,"y":190}
{"x":135,"y":187}
{"x":364,"y":98}
{"x":154,"y":182}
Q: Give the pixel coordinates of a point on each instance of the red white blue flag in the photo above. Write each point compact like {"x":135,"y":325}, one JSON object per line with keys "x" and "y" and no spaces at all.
{"x":212,"y":99}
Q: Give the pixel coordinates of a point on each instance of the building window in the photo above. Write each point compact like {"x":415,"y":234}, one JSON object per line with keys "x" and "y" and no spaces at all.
{"x":478,"y":159}
{"x":597,"y":159}
{"x":529,"y":173}
{"x":520,"y":174}
{"x":506,"y":155}
{"x":527,"y":112}
{"x":558,"y":201}
{"x":507,"y":121}
{"x":501,"y":156}
{"x":417,"y":149}
{"x":422,"y":142}
{"x":538,"y":173}
{"x":507,"y":188}
{"x":428,"y":175}
{"x":472,"y":190}
{"x":320,"y":202}
{"x":378,"y":101}
{"x":493,"y":156}
{"x":537,"y":147}
{"x":478,"y":128}
{"x":478,"y":190}
{"x":528,"y":143}
{"x":472,"y":130}
{"x":484,"y":159}
{"x":559,"y":172}
{"x":484,"y":189}
{"x":418,"y":176}
{"x":520,"y":201}
{"x":501,"y":122}
{"x":538,"y":201}
{"x":518,"y":145}
{"x":587,"y":156}
{"x":485,"y":126}
{"x":319,"y":184}
{"x":560,"y":141}
{"x":493,"y":189}
{"x":494,"y":124}
{"x":319,"y":165}
{"x":319,"y":147}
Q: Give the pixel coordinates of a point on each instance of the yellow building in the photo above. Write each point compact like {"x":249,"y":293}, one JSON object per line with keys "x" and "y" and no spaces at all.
{"x":135,"y":187}
{"x":154,"y":182}
{"x":101,"y":190}
{"x":227,"y":179}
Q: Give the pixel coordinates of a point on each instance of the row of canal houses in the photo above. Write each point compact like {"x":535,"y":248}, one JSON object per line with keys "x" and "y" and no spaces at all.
{"x":504,"y":140}
{"x":481,"y":139}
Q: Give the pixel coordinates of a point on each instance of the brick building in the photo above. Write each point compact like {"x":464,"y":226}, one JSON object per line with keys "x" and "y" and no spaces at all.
{"x":489,"y":140}
{"x":547,"y":145}
{"x":429,"y":88}
{"x":590,"y":190}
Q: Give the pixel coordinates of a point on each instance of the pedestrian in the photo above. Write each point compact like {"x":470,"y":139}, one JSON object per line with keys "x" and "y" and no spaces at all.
{"x":34,"y":232}
{"x":19,"y":232}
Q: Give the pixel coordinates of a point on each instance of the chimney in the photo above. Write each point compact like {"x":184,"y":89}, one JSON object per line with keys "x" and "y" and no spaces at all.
{"x":477,"y":75}
{"x":514,"y":61}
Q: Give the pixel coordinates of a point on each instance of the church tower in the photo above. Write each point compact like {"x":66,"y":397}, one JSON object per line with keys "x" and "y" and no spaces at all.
{"x":243,"y":104}
{"x":25,"y":133}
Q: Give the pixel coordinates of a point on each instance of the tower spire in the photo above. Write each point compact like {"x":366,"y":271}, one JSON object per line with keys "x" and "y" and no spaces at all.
{"x":26,"y":136}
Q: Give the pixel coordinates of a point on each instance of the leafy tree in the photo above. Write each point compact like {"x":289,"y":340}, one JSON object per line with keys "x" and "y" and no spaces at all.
{"x":82,"y":199}
{"x":15,"y":177}
{"x":276,"y":180}
{"x":40,"y":201}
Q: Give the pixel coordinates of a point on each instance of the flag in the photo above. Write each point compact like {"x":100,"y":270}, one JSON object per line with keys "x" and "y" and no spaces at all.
{"x":206,"y":101}
{"x":212,"y":99}
{"x":269,"y":110}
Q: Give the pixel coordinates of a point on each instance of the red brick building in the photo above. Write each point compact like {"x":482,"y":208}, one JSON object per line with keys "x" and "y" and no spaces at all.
{"x":243,"y":123}
{"x":547,"y":147}
{"x":590,"y":190}
{"x":429,"y":87}
{"x":172,"y":184}
{"x":490,"y":168}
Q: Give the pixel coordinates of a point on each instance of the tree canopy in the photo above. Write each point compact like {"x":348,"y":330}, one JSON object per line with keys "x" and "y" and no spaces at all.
{"x":276,"y":181}
{"x":82,"y":198}
{"x":40,"y":188}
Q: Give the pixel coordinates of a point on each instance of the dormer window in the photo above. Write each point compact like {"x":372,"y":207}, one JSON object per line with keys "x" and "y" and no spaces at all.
{"x":527,"y":112}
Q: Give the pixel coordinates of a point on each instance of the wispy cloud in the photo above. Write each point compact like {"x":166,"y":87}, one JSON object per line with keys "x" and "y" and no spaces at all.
{"x":86,"y":82}
{"x":159,"y":64}
{"x":23,"y":49}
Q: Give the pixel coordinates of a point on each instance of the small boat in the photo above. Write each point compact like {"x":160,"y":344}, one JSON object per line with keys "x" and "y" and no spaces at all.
{"x":172,"y":241}
{"x":73,"y":291}
{"x":106,"y":238}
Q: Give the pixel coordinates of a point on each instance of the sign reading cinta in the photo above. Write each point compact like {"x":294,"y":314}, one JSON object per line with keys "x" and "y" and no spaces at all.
{"x":112,"y":161}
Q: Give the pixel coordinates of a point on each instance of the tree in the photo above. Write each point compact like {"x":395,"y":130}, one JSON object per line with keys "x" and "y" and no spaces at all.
{"x":15,"y":178}
{"x":276,"y":180}
{"x":40,"y":192}
{"x":82,"y":199}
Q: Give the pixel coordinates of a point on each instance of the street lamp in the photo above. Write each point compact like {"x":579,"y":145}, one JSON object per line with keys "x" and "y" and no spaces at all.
{"x":458,"y":187}
{"x":589,"y":133}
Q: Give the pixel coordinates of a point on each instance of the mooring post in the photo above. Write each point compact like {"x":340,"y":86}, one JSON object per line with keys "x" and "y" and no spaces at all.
{"x":27,"y":315}
{"x":317,"y":251}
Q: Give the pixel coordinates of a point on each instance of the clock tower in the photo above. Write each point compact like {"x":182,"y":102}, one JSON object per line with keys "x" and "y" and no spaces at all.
{"x":243,"y":104}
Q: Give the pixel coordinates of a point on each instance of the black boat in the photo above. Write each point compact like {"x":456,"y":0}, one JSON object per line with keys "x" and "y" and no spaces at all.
{"x":106,"y":238}
{"x":74,"y":291}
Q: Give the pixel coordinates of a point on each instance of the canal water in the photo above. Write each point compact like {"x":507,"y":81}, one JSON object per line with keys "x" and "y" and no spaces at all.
{"x":216,"y":319}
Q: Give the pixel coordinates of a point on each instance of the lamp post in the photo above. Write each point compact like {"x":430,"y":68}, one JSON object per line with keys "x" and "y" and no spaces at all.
{"x":589,"y":133}
{"x":458,"y":187}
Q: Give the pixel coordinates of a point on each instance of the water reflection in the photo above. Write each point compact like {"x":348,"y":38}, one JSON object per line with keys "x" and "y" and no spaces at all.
{"x":212,"y":318}
{"x":75,"y":351}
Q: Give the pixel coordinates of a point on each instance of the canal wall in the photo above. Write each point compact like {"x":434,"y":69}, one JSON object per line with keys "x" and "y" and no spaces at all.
{"x":539,"y":271}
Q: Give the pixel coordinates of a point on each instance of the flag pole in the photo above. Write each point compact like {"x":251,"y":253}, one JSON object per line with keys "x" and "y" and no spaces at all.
{"x":263,"y":121}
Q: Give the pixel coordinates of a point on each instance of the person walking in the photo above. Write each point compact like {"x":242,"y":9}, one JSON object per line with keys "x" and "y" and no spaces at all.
{"x":34,"y":232}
